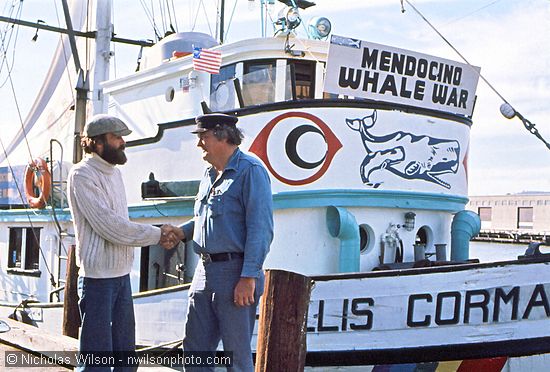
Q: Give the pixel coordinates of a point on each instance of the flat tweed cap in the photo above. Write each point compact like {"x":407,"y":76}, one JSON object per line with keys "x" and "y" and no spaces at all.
{"x":101,"y":124}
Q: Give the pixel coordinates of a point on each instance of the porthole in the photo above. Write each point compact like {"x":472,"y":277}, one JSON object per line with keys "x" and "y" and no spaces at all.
{"x":366,"y":236}
{"x":169,"y":94}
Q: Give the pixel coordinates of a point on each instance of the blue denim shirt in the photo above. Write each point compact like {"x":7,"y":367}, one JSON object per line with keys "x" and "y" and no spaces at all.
{"x":234,"y":213}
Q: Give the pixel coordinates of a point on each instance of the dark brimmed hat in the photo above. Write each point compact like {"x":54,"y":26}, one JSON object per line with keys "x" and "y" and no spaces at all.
{"x":210,"y":121}
{"x":101,"y":124}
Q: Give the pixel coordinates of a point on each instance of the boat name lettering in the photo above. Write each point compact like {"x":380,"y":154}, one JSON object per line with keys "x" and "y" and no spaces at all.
{"x":357,"y":308}
{"x":486,"y":305}
{"x":448,"y":308}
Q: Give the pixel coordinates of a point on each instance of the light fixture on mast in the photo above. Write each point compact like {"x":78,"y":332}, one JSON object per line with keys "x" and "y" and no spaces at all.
{"x":35,"y":37}
{"x":289,"y":17}
{"x":319,"y":28}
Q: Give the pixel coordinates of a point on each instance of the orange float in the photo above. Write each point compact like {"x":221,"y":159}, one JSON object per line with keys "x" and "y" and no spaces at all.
{"x":38,"y":176}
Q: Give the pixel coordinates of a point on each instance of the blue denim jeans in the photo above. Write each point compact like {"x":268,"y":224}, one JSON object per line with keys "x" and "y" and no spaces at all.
{"x":212,"y":316}
{"x":108,"y":323}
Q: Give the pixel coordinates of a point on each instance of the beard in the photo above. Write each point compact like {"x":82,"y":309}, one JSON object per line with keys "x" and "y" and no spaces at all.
{"x":113,"y":155}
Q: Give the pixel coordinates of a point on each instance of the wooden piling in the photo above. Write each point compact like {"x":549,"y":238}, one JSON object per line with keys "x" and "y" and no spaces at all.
{"x":71,"y":314}
{"x":282,"y":327}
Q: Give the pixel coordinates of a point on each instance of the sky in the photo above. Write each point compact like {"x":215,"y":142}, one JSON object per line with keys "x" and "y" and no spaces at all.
{"x":508,"y":39}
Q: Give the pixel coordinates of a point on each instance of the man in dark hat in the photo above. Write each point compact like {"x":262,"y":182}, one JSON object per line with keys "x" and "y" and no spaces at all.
{"x":231,"y":231}
{"x":105,"y":241}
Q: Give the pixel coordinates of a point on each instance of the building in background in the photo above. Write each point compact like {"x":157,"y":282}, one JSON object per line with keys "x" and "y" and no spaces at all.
{"x":519,"y":217}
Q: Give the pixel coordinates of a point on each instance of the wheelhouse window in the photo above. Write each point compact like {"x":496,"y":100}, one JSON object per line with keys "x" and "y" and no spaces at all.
{"x":262,"y":82}
{"x":24,"y":249}
{"x":303,"y":79}
{"x":258,"y":85}
{"x":222,"y":96}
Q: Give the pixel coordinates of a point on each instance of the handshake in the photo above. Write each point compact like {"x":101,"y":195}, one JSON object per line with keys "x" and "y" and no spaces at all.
{"x":170,"y":236}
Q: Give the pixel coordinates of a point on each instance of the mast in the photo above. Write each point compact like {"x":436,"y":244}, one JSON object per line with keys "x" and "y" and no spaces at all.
{"x":222,"y":20}
{"x":103,"y":54}
{"x":82,"y":86}
{"x":100,"y":73}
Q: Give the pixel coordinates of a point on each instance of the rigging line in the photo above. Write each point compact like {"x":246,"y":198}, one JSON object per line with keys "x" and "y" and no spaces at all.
{"x":201,"y":3}
{"x":27,"y":213}
{"x":271,"y":20}
{"x":158,"y":210}
{"x":230,"y":20}
{"x":175,"y":18}
{"x":457,"y":52}
{"x":165,"y":15}
{"x":206,"y":16}
{"x":526,"y":123}
{"x":61,"y":38}
{"x":196,"y":16}
{"x":162,"y":17}
{"x":170,"y":26}
{"x":150,"y":18}
{"x":167,"y":12}
{"x":4,"y":35}
{"x":154,"y":21}
{"x":5,"y":48}
{"x":473,"y":12}
{"x":308,"y":50}
{"x":19,"y":114}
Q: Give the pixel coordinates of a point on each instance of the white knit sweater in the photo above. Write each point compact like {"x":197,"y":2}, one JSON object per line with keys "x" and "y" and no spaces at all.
{"x":105,"y":236}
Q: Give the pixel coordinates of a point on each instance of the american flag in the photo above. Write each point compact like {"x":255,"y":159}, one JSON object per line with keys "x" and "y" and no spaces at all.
{"x":207,"y":60}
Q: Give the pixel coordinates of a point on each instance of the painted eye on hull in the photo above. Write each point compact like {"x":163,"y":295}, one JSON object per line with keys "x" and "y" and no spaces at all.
{"x":296,"y":147}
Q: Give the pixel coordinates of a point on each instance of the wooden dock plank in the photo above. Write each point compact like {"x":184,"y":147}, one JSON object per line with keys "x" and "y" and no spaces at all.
{"x":28,"y":339}
{"x":6,"y":348}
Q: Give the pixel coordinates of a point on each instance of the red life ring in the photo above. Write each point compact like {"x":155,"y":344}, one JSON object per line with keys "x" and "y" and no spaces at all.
{"x":37,"y":170}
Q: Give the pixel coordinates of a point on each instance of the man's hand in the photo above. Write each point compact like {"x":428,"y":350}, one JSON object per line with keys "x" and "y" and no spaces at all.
{"x":170,"y":236}
{"x":243,"y":295}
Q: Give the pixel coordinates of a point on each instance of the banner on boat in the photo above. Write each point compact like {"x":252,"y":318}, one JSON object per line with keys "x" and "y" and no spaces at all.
{"x":367,"y":70}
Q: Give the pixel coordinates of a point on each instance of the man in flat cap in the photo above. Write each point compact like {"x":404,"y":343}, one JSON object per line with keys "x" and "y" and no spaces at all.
{"x":105,"y":241}
{"x":231,"y":230}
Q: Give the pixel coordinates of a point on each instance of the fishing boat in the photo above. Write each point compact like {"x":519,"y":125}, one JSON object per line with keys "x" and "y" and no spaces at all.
{"x":367,"y":148}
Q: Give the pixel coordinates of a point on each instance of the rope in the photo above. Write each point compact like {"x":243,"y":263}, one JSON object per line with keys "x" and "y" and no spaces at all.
{"x":5,"y":47}
{"x":176,"y":343}
{"x":230,"y":20}
{"x":527,"y":124}
{"x":151,"y":19}
{"x":64,"y":52}
{"x":456,"y":51}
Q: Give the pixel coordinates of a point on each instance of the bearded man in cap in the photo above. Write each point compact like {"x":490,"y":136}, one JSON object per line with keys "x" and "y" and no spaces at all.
{"x":105,"y":241}
{"x":232,"y":230}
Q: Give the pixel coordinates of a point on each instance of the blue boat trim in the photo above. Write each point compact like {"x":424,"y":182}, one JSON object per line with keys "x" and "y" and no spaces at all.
{"x":162,"y":209}
{"x":369,"y":198}
{"x":282,"y":200}
{"x":321,"y":199}
{"x":34,"y":215}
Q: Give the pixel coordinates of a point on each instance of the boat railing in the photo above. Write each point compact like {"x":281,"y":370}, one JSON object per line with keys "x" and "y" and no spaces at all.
{"x":512,"y":236}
